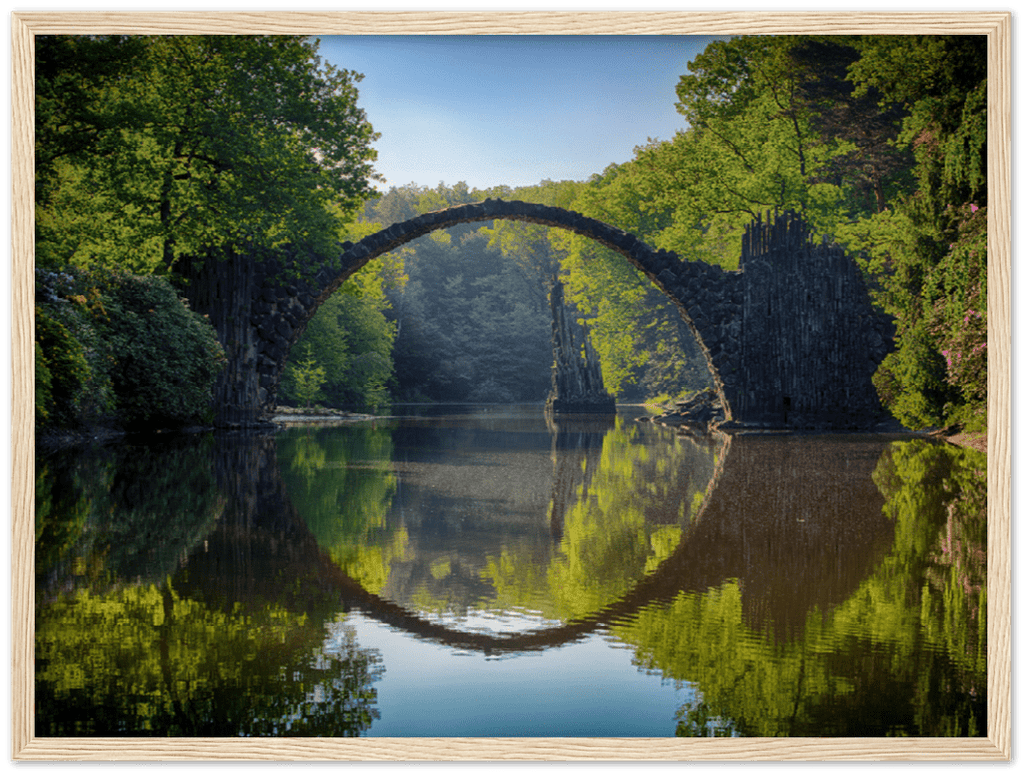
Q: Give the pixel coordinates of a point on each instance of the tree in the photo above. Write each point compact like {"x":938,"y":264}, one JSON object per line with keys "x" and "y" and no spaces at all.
{"x":309,"y":378}
{"x":467,"y":324}
{"x":640,"y":338}
{"x":870,"y":165}
{"x":184,"y":145}
{"x":351,"y":336}
{"x":205,"y":155}
{"x":928,"y":252}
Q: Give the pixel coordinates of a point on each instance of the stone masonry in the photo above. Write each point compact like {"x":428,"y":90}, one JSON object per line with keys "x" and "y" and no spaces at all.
{"x":791,"y":337}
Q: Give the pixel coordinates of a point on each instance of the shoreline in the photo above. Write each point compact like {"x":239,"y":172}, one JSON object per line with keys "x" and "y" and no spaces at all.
{"x":56,"y":439}
{"x":976,"y":441}
{"x":286,"y":415}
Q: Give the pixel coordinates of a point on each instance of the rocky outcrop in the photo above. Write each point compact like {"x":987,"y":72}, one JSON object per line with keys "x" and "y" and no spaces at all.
{"x":577,"y":385}
{"x":701,"y":412}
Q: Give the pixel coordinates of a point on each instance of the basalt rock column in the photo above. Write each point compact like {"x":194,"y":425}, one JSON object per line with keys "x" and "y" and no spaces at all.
{"x":577,"y":385}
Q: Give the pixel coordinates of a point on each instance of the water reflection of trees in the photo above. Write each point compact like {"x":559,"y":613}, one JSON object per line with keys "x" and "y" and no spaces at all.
{"x":794,"y":605}
{"x":341,"y":485}
{"x":131,"y":642}
{"x":144,"y":661}
{"x":561,"y":533}
{"x":866,"y":647}
{"x":624,"y":504}
{"x":122,"y":512}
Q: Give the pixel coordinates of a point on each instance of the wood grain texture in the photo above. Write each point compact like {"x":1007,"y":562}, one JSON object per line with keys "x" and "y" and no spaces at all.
{"x":520,"y":23}
{"x":23,"y":389}
{"x":996,"y":26}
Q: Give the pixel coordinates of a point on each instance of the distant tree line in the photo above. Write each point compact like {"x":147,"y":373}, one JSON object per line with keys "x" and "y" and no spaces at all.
{"x":879,"y":142}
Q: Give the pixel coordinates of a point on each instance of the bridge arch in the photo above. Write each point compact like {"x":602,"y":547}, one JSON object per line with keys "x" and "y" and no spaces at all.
{"x":791,"y":338}
{"x":281,"y":315}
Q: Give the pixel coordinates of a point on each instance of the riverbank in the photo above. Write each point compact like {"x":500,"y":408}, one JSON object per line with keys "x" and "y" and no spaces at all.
{"x":976,"y":441}
{"x":288,"y":415}
{"x":56,"y":439}
{"x":679,"y":415}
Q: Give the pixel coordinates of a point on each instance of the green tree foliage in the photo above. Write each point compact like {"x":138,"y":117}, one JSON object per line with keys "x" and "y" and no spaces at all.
{"x":165,"y":356}
{"x":644,"y":346}
{"x":155,"y":148}
{"x":442,"y":318}
{"x":308,"y":378}
{"x":350,"y":336}
{"x":530,"y":247}
{"x":62,"y":373}
{"x":929,"y":252}
{"x":120,"y":347}
{"x":351,"y":340}
{"x":750,"y":146}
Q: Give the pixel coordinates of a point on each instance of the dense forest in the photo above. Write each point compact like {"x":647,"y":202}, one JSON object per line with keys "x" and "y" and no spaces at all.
{"x":879,"y":142}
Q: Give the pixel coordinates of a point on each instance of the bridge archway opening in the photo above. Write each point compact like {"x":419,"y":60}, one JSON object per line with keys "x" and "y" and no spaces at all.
{"x":656,"y":265}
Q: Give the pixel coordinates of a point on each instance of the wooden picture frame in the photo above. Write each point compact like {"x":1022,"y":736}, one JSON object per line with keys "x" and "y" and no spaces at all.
{"x":996,"y":747}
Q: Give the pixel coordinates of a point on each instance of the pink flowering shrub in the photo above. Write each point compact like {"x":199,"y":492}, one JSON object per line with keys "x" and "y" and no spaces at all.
{"x":960,"y":318}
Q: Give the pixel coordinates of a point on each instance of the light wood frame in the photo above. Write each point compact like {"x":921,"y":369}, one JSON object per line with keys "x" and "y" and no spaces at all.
{"x":996,"y":747}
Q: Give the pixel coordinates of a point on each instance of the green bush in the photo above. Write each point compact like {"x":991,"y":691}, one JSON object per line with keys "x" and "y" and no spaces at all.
{"x":167,"y":357}
{"x":61,"y":371}
{"x":121,"y":347}
{"x":72,"y":383}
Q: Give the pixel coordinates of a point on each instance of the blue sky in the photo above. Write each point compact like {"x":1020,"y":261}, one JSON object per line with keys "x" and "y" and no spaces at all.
{"x":513,"y":109}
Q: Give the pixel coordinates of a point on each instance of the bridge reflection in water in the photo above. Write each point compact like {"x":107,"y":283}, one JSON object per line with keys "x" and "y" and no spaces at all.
{"x":795,"y":536}
{"x":595,"y":535}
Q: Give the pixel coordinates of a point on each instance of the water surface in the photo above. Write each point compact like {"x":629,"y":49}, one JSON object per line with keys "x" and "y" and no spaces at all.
{"x":488,"y":571}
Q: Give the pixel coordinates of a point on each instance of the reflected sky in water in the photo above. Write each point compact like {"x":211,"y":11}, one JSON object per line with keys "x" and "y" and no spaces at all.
{"x":587,"y":688}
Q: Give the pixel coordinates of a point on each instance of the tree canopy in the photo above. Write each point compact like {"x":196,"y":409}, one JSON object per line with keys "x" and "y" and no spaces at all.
{"x":155,"y":147}
{"x":877,"y":141}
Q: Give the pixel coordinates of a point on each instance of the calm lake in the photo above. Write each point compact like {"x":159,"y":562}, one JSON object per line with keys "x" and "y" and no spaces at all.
{"x":488,"y":571}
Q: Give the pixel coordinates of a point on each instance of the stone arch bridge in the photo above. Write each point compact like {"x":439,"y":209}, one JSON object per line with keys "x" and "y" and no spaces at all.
{"x":790,"y":338}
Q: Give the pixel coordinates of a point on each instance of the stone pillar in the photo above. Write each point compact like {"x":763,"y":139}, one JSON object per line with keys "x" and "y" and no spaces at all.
{"x":811,"y":337}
